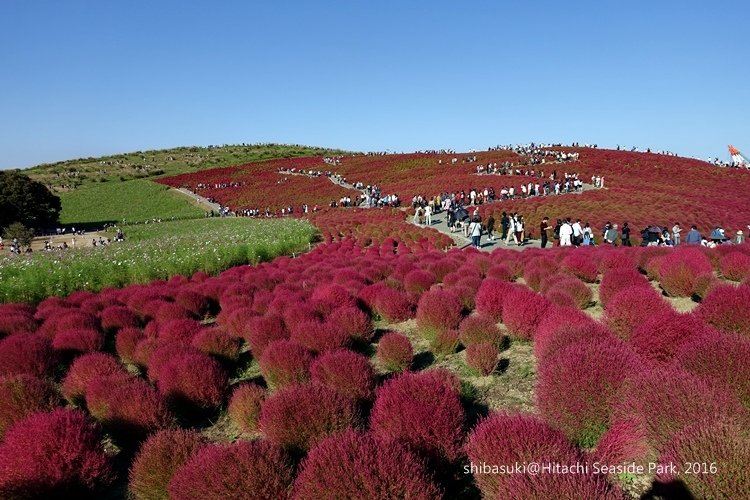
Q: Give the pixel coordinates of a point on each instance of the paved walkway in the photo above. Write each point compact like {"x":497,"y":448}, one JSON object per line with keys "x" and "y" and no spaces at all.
{"x":200,"y":200}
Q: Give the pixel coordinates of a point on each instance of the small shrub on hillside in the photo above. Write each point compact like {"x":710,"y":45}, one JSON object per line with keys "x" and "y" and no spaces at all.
{"x":356,"y":323}
{"x":580,"y":294}
{"x":27,"y":353}
{"x":244,"y":470}
{"x":297,"y":417}
{"x":217,"y":343}
{"x":23,"y":395}
{"x":163,"y":355}
{"x":549,"y":341}
{"x":522,"y":312}
{"x":482,"y":357}
{"x":718,"y":451}
{"x":419,"y":281}
{"x":617,"y":280}
{"x":422,"y":412}
{"x":354,"y":465}
{"x":53,"y":455}
{"x":196,"y":379}
{"x":178,"y":330}
{"x":577,"y":388}
{"x":478,"y":328}
{"x":393,"y":305}
{"x":735,"y":266}
{"x":624,"y":442}
{"x":490,"y":296}
{"x":285,"y":362}
{"x":720,"y":357}
{"x":445,"y":343}
{"x":318,"y":336}
{"x":78,"y":341}
{"x":725,"y":308}
{"x":502,"y":439}
{"x":501,"y":272}
{"x":581,"y":266}
{"x":328,"y":297}
{"x":194,"y":302}
{"x":84,"y":370}
{"x":236,"y":321}
{"x":346,"y":372}
{"x":126,"y":341}
{"x":16,"y":322}
{"x":679,"y":270}
{"x":438,"y":310}
{"x":661,"y":334}
{"x":70,"y":319}
{"x":117,"y":317}
{"x":244,"y":406}
{"x":144,"y":349}
{"x":262,"y":330}
{"x":395,"y":352}
{"x":630,"y":307}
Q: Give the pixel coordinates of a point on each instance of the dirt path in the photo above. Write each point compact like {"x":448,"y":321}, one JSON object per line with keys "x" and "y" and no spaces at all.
{"x":199,"y":200}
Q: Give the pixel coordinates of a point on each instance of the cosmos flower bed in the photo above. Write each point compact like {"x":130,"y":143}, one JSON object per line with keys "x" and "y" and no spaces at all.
{"x":323,"y":400}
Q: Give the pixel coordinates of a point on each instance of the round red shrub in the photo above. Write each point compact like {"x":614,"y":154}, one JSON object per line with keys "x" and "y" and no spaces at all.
{"x":160,"y":456}
{"x":482,"y":357}
{"x":395,"y":352}
{"x":392,"y":305}
{"x":445,"y":343}
{"x":490,"y":296}
{"x":580,"y":294}
{"x":285,"y":362}
{"x":318,"y":336}
{"x":84,"y":370}
{"x":438,"y":310}
{"x":567,"y":330}
{"x":717,"y":451}
{"x":624,"y":442}
{"x":503,"y":439}
{"x":144,"y":349}
{"x":84,"y":340}
{"x":665,"y":401}
{"x":422,"y":412}
{"x":297,"y":417}
{"x":69,"y":319}
{"x":53,"y":455}
{"x":522,"y":312}
{"x":117,"y":317}
{"x":29,"y":353}
{"x":262,"y":330}
{"x":725,"y":308}
{"x":630,"y":307}
{"x":660,"y":335}
{"x":355,"y":465}
{"x":419,"y":281}
{"x":163,"y":355}
{"x":126,"y":341}
{"x":356,"y":323}
{"x":735,"y":266}
{"x":244,"y":406}
{"x":328,"y":297}
{"x":478,"y":328}
{"x":346,"y":372}
{"x":236,"y":321}
{"x":501,"y":272}
{"x":581,"y":265}
{"x":196,"y":379}
{"x":22,"y":395}
{"x":128,"y":407}
{"x":620,"y":279}
{"x":577,"y":388}
{"x":178,"y":330}
{"x":217,"y":343}
{"x":16,"y":322}
{"x":720,"y":357}
{"x":194,"y":302}
{"x":244,"y":470}
{"x":679,"y":270}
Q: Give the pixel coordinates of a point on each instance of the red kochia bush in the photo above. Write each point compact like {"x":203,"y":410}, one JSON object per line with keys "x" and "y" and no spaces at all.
{"x":502,"y":439}
{"x":665,"y":401}
{"x":679,"y":270}
{"x":346,"y":372}
{"x":16,"y":322}
{"x":726,"y":309}
{"x":722,"y":357}
{"x":126,"y":342}
{"x":580,"y":294}
{"x":632,"y":306}
{"x":194,"y":302}
{"x":244,"y":470}
{"x":116,"y":317}
{"x":620,"y":279}
{"x":319,"y":336}
{"x":158,"y":459}
{"x":83,"y":340}
{"x":395,"y":352}
{"x":285,"y":362}
{"x":438,"y":310}
{"x":86,"y":369}
{"x":577,"y":388}
{"x":194,"y":378}
{"x":297,"y":417}
{"x":569,"y":329}
{"x":478,"y":328}
{"x":262,"y":330}
{"x":27,"y":353}
{"x":244,"y":407}
{"x":624,"y":442}
{"x":482,"y":357}
{"x":490,"y":297}
{"x":390,"y":304}
{"x":718,"y":451}
{"x":354,"y":465}
{"x":356,"y":323}
{"x":522,"y":312}
{"x":445,"y":343}
{"x":53,"y":455}
{"x":423,"y":412}
{"x":735,"y":266}
{"x":419,"y":281}
{"x":581,"y":265}
{"x":659,"y":336}
{"x":217,"y":343}
{"x":22,"y":395}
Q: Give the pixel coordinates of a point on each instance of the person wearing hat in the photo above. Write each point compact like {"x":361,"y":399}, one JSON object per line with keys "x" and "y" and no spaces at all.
{"x":740,"y":237}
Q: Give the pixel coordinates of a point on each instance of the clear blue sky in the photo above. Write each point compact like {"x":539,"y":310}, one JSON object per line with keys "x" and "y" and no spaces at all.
{"x":86,"y":78}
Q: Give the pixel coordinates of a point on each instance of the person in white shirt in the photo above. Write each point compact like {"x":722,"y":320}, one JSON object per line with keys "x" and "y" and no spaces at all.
{"x":566,"y":232}
{"x":428,"y":215}
{"x":577,"y":232}
{"x":475,"y":231}
{"x":676,"y":230}
{"x":511,"y":230}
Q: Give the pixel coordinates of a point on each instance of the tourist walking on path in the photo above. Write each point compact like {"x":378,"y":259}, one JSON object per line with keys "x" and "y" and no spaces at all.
{"x":475,"y":231}
{"x":676,"y":230}
{"x":543,"y":228}
{"x":490,"y":227}
{"x":625,"y":234}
